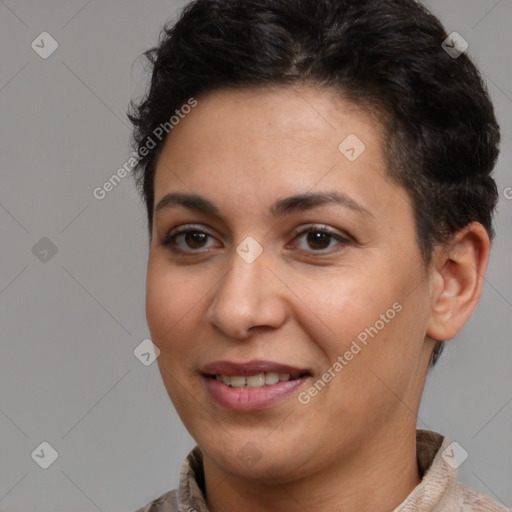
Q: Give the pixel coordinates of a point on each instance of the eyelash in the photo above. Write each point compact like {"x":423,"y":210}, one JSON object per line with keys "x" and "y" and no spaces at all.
{"x":170,"y":239}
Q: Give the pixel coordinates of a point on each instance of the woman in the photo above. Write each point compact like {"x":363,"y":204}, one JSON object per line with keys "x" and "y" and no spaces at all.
{"x":318,"y":189}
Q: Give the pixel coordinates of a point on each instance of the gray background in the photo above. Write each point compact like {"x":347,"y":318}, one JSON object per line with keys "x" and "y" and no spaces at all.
{"x":70,"y":325}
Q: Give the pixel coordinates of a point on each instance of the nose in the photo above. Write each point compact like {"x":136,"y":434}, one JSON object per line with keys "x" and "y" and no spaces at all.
{"x":249,"y":296}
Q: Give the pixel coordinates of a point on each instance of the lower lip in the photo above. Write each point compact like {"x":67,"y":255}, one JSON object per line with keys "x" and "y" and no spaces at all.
{"x":251,"y":399}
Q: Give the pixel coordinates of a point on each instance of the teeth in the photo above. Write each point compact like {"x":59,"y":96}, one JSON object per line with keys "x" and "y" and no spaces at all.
{"x":238,"y":381}
{"x":271,"y":378}
{"x":253,"y":381}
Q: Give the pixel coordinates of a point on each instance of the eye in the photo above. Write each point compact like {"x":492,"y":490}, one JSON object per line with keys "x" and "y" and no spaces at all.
{"x":187,"y":239}
{"x":190,"y":239}
{"x":320,"y":238}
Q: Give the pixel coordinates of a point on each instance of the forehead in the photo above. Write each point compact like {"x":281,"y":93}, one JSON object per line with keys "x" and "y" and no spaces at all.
{"x":250,"y":147}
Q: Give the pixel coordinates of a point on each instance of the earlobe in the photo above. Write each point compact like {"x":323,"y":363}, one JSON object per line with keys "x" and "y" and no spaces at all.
{"x":457,"y":279}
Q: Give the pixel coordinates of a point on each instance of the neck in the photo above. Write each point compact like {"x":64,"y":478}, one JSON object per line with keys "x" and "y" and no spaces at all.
{"x":378,"y":477}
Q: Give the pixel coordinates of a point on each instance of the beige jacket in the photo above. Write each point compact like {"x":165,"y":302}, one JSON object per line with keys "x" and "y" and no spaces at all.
{"x":438,"y":491}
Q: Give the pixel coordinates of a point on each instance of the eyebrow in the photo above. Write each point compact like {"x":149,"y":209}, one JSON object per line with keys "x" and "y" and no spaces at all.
{"x":282,"y":207}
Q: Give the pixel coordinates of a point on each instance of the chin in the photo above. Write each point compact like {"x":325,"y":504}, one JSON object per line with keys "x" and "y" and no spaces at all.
{"x":260,"y":460}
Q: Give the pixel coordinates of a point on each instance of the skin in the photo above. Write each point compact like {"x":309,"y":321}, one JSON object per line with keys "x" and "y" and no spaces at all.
{"x":352,"y":447}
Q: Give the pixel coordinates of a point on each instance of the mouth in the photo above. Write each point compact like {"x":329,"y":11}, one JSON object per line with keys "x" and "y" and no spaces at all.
{"x":253,"y":385}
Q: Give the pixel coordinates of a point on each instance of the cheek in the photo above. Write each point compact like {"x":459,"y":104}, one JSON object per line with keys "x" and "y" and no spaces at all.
{"x":170,"y":300}
{"x":349,"y":304}
{"x":373,"y":320}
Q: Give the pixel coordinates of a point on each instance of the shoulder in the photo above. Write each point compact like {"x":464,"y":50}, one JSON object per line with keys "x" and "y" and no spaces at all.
{"x":475,"y":501}
{"x":168,"y":502}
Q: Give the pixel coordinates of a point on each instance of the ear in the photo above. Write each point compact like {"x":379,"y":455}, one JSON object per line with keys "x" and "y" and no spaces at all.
{"x":456,"y":279}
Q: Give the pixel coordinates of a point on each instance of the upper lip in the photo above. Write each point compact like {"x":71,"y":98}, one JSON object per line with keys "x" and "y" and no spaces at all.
{"x":244,"y":369}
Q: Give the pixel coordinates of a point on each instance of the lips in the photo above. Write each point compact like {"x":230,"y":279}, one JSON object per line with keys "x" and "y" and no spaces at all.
{"x":239,"y":387}
{"x":246,"y":369}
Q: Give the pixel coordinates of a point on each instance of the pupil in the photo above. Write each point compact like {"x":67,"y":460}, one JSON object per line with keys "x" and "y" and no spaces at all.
{"x":195,"y":239}
{"x":318,"y":240}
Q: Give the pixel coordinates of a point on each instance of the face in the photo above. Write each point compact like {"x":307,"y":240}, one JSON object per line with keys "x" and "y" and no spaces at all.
{"x":295,"y":266}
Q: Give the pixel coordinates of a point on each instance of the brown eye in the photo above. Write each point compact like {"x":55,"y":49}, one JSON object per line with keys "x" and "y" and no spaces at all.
{"x":320,"y":238}
{"x":188,"y":239}
{"x":194,"y":239}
